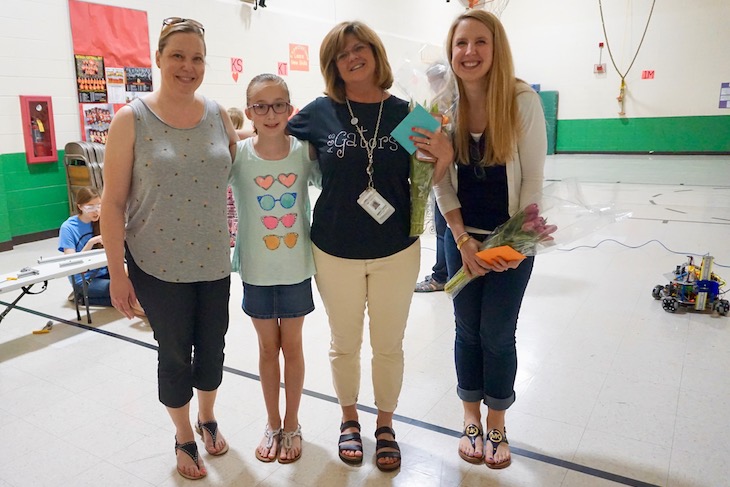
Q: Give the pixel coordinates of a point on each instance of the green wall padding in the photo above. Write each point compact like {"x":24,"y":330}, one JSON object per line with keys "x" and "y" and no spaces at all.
{"x":5,"y":234}
{"x":707,"y":134}
{"x":34,"y":197}
{"x":550,"y":107}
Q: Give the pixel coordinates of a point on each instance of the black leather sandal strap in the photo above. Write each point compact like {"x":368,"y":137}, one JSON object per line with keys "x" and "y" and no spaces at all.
{"x":190,"y":448}
{"x":350,"y":424}
{"x":212,"y":428}
{"x":386,"y":444}
{"x":384,"y":429}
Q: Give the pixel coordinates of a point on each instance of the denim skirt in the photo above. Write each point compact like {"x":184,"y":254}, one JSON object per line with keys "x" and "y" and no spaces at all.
{"x":280,"y":301}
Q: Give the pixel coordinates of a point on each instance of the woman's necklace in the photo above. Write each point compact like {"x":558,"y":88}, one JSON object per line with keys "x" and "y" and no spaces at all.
{"x":369,"y":145}
{"x":370,"y":200}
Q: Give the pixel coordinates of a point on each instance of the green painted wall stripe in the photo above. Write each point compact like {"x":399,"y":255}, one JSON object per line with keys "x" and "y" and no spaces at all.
{"x":5,"y":234}
{"x":667,"y":134}
{"x":33,"y":197}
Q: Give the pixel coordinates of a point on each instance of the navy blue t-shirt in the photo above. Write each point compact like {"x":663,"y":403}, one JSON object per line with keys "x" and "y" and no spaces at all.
{"x":482,"y":190}
{"x":341,"y":227}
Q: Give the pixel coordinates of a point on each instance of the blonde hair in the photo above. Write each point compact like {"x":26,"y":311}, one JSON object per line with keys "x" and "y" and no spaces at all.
{"x":187,"y":26}
{"x":236,"y":115}
{"x":334,"y":43}
{"x":503,"y":122}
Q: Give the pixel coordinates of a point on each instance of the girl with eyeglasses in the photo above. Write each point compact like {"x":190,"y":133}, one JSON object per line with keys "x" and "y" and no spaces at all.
{"x":80,"y":233}
{"x":273,"y":255}
{"x":500,"y":145}
{"x":167,"y":162}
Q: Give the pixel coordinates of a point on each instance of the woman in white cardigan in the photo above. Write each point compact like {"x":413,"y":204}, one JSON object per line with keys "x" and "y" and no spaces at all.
{"x":493,"y":169}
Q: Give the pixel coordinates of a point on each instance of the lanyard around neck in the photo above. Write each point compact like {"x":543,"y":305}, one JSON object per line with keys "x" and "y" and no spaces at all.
{"x":369,"y":145}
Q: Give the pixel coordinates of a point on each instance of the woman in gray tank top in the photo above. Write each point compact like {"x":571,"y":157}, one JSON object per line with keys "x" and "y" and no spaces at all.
{"x":166,"y":168}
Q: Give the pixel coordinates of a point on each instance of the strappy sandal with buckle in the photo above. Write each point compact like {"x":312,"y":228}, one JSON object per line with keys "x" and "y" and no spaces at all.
{"x":382,"y":444}
{"x":190,"y":449}
{"x":270,"y":437}
{"x":350,"y":437}
{"x":496,"y":437}
{"x":472,"y":431}
{"x":212,"y":428}
{"x":287,"y":444}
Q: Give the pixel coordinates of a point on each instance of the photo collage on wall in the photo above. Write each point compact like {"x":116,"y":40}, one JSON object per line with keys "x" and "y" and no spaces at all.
{"x":101,"y":88}
{"x":113,"y":64}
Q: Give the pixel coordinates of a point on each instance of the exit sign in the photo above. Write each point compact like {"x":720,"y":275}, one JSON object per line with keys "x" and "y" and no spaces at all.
{"x":647,"y":74}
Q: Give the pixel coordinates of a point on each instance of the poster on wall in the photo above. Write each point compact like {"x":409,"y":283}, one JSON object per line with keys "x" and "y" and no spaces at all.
{"x":299,"y":57}
{"x":115,"y":85}
{"x":97,"y":117}
{"x":113,"y":62}
{"x":139,"y":81}
{"x":725,"y":95}
{"x":90,"y":79}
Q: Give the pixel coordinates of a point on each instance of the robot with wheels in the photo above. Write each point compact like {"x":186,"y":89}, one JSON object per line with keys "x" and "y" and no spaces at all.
{"x":694,"y":287}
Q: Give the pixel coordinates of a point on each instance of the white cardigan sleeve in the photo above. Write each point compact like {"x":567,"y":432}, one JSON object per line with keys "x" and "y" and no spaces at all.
{"x":529,"y":170}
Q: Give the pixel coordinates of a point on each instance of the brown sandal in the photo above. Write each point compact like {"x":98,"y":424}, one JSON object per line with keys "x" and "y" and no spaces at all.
{"x":472,"y":431}
{"x":496,"y":437}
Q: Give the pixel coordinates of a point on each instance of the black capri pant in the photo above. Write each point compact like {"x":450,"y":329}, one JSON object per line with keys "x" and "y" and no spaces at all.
{"x":189,"y":321}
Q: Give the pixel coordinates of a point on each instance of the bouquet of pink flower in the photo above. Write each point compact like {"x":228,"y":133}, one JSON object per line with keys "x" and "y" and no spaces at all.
{"x":528,"y":232}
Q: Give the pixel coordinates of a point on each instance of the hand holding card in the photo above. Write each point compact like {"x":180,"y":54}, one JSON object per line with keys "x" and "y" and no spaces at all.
{"x":418,"y":117}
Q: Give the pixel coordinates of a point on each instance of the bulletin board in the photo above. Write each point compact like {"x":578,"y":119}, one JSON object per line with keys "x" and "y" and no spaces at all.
{"x":112,"y":58}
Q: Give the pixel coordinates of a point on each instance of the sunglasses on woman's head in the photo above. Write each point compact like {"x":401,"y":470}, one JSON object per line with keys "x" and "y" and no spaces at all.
{"x":179,"y":20}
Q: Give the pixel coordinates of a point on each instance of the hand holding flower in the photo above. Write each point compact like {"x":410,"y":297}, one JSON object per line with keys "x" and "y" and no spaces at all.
{"x":473,"y":265}
{"x":529,"y":233}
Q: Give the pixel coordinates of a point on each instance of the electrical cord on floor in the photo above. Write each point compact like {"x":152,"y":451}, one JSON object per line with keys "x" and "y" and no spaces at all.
{"x":638,"y":247}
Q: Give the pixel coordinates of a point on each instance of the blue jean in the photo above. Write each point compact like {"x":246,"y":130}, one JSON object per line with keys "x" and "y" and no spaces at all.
{"x":97,"y":288}
{"x":486,"y":313}
{"x":439,"y":268}
{"x":278,"y":301}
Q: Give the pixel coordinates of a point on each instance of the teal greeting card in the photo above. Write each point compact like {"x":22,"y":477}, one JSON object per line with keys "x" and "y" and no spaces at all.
{"x":419,"y":118}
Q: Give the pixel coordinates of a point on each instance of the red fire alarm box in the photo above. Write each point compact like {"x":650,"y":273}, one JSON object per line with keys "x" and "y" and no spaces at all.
{"x":39,"y":132}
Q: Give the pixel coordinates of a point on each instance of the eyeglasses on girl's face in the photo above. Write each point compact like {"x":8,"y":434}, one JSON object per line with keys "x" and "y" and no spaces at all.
{"x":263,"y":108}
{"x":179,"y":20}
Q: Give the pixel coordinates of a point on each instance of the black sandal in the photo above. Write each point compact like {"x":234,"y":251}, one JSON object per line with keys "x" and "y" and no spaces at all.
{"x":191,"y":450}
{"x":496,"y":438}
{"x":381,"y":444}
{"x":345,"y":437}
{"x":212,"y":428}
{"x":472,"y":431}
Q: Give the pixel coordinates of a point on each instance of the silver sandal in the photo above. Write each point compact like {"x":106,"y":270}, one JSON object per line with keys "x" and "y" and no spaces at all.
{"x":270,"y":436}
{"x":286,"y":443}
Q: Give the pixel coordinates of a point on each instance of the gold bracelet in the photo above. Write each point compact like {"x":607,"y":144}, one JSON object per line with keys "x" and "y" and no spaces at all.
{"x":464,"y":238}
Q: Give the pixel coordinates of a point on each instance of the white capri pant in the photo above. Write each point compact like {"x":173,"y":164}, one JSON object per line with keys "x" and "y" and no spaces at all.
{"x":385,"y":285}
